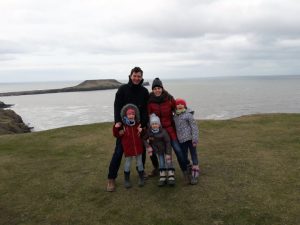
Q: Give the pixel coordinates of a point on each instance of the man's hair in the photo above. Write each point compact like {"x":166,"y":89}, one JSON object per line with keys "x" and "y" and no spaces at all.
{"x":136,"y":70}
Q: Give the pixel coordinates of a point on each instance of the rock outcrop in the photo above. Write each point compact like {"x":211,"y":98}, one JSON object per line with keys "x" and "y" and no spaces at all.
{"x":88,"y":85}
{"x":3,"y":105}
{"x":11,"y":123}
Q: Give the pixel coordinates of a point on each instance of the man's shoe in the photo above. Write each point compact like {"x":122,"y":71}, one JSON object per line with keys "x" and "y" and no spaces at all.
{"x":111,"y":185}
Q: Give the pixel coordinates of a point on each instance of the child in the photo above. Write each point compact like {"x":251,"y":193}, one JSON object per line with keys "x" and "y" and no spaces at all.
{"x":132,"y":144}
{"x":187,"y":133}
{"x":157,"y":141}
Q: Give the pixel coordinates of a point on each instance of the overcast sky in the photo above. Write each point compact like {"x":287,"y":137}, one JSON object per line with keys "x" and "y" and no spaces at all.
{"x":42,"y":40}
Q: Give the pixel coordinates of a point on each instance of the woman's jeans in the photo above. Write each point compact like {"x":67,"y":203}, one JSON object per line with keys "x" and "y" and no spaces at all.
{"x":117,"y":158}
{"x":180,"y":155}
{"x":186,"y":146}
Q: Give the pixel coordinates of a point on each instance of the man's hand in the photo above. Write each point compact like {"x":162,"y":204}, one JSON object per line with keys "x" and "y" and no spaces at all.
{"x":118,"y":124}
{"x":139,"y":128}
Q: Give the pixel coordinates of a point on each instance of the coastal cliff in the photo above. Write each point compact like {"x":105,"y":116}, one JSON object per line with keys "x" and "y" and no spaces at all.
{"x":88,"y":85}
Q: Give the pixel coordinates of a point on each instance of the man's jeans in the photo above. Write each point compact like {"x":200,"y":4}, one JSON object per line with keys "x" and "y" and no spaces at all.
{"x":115,"y":160}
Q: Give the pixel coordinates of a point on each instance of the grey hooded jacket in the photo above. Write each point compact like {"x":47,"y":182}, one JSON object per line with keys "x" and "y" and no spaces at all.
{"x":186,"y":127}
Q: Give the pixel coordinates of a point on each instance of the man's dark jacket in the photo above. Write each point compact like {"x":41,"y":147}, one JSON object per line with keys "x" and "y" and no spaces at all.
{"x":134,"y":94}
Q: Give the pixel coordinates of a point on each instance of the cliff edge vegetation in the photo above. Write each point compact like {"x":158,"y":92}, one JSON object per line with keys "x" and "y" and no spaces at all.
{"x":249,"y":175}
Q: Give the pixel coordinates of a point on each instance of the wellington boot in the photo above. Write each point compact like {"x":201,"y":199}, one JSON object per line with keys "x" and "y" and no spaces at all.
{"x":127,"y":183}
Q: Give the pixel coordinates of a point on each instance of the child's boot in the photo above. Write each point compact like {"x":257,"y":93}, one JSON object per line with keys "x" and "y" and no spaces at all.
{"x":141,"y":179}
{"x":171,"y":177}
{"x":162,"y":177}
{"x":127,"y":183}
{"x":195,"y":174}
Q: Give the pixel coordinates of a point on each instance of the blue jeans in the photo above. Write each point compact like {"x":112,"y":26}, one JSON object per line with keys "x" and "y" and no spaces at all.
{"x":162,"y":162}
{"x":139,"y":163}
{"x":117,"y":158}
{"x":186,"y":146}
{"x":179,"y":154}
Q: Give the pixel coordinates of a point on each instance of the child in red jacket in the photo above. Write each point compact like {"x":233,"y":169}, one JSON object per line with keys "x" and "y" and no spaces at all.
{"x":129,"y":132}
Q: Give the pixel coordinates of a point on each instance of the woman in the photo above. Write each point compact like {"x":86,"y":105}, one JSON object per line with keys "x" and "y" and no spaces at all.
{"x":163,"y":104}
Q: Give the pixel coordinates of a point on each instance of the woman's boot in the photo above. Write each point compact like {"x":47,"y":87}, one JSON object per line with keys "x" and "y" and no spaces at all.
{"x":141,"y":179}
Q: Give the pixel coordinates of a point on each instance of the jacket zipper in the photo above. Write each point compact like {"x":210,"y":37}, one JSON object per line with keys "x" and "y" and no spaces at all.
{"x":133,"y":141}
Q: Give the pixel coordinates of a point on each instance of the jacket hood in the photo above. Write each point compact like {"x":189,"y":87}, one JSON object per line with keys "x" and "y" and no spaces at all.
{"x":188,"y":110}
{"x":130,"y":106}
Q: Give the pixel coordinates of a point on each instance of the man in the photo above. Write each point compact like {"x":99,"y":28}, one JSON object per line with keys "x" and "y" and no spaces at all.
{"x":135,"y":93}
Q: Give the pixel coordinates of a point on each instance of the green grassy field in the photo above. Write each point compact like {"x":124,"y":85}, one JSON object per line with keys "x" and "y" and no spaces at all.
{"x":250,"y":175}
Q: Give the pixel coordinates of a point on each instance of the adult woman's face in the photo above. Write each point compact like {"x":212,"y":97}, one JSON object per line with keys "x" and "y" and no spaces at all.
{"x":157,"y":91}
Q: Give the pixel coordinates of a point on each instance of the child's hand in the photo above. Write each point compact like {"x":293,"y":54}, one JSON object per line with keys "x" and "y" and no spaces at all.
{"x":118,"y":124}
{"x":121,"y":132}
{"x":168,"y":158}
{"x":195,"y":144}
{"x":149,"y":150}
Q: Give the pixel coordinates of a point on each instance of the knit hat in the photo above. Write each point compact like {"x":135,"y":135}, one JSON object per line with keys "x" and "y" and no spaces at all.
{"x":157,"y":83}
{"x":180,"y":101}
{"x":154,"y":119}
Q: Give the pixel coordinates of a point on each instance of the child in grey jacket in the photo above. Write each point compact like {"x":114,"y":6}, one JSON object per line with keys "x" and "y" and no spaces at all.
{"x":187,"y":133}
{"x":157,"y":141}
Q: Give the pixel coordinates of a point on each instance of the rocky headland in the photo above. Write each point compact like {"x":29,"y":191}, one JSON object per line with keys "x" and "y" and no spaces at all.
{"x":12,"y":123}
{"x":88,"y":85}
{"x":3,"y":105}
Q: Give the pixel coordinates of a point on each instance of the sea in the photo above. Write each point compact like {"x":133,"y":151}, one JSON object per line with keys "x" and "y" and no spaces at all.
{"x":217,"y":98}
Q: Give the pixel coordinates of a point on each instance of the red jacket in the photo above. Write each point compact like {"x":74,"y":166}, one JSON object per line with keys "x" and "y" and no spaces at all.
{"x":163,"y":107}
{"x":131,"y":142}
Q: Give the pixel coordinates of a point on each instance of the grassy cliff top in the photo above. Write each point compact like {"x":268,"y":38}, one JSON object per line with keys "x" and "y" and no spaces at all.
{"x":250,"y":175}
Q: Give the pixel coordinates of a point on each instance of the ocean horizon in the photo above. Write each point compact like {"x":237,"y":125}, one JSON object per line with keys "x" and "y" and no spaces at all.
{"x":210,"y":98}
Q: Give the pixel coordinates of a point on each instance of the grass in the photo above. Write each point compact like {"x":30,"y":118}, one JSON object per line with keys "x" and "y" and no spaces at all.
{"x":250,"y":175}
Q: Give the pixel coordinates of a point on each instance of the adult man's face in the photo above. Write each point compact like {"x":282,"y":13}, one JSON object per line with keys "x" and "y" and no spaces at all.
{"x":136,"y":78}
